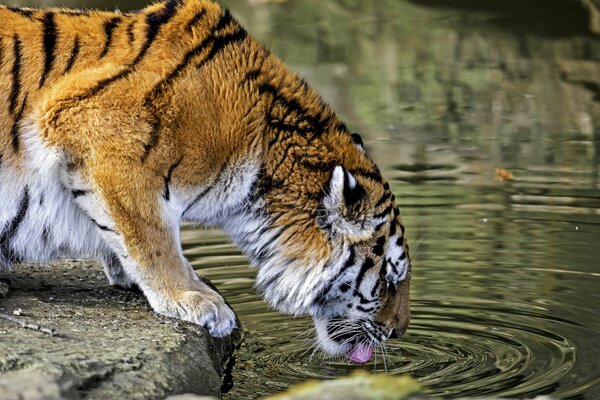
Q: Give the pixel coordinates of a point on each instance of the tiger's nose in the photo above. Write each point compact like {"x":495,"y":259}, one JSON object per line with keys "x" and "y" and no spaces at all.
{"x":396,"y":333}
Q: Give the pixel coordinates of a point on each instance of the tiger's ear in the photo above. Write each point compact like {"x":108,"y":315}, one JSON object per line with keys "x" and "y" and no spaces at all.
{"x":345,"y":209}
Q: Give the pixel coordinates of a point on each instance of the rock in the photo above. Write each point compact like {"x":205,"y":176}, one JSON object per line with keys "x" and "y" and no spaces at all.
{"x":362,"y":385}
{"x":359,"y":386}
{"x":581,"y":71}
{"x":35,"y":385}
{"x":4,"y":289}
{"x":109,"y":343}
{"x":593,"y":7}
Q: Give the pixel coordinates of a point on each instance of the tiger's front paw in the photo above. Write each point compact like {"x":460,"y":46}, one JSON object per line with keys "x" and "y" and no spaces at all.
{"x":210,"y":312}
{"x":204,"y":307}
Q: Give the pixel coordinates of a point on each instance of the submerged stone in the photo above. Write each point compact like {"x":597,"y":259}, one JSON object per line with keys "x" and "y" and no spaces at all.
{"x":360,"y":385}
{"x":109,"y":343}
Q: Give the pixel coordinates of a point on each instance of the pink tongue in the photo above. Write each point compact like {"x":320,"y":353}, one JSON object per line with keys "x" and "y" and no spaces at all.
{"x":361,"y":353}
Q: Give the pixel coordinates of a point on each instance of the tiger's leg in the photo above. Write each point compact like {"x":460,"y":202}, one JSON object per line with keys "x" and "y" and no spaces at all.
{"x":143,"y":232}
{"x":115,"y":272}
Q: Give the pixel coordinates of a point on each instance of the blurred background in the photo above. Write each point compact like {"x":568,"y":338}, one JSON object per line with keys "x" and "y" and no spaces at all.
{"x":506,"y":262}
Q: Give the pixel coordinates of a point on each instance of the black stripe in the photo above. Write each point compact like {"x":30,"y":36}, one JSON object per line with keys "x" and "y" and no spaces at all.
{"x":320,"y":298}
{"x":25,"y":12}
{"x":372,"y":175}
{"x":366,"y":266}
{"x":74,"y":54}
{"x":45,"y":235}
{"x":16,"y":75}
{"x":318,"y":124}
{"x":154,"y":22}
{"x":162,"y":86}
{"x":167,"y":194}
{"x":384,"y":213}
{"x":383,"y":269}
{"x":225,"y":19}
{"x":209,"y":188}
{"x":383,"y":199}
{"x":393,"y":266}
{"x":197,"y":199}
{"x":15,"y":126}
{"x":104,"y":84}
{"x":357,"y":140}
{"x":130,"y":32}
{"x":219,"y":43}
{"x":251,"y":76}
{"x":78,"y":193}
{"x":9,"y":232}
{"x":165,"y":83}
{"x":380,"y":225}
{"x":378,"y":248}
{"x":393,"y":228}
{"x":375,"y":287}
{"x":362,"y":299}
{"x":340,"y":126}
{"x":73,"y":13}
{"x":366,"y":310}
{"x":349,"y":262}
{"x":50,"y":37}
{"x":109,"y":27}
{"x":195,"y":20}
{"x":101,"y":227}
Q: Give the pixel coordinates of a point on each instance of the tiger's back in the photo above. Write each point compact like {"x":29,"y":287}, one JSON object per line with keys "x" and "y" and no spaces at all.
{"x":117,"y":127}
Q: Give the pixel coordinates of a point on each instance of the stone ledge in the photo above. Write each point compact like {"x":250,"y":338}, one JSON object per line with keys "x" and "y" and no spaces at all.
{"x":109,"y":344}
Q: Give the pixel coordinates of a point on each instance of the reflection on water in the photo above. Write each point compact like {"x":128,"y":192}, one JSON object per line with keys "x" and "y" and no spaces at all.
{"x":506,"y":274}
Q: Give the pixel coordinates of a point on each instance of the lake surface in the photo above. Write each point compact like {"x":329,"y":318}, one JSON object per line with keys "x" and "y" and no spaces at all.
{"x":506,"y":287}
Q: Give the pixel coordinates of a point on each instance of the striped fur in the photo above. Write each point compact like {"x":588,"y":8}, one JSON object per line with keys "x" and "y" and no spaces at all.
{"x":115,"y":128}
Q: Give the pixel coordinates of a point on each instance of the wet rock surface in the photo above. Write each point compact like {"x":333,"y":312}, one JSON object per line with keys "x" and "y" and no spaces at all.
{"x":108,"y":342}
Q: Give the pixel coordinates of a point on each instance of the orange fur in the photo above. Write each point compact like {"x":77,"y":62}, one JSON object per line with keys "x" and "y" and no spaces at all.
{"x":123,"y":105}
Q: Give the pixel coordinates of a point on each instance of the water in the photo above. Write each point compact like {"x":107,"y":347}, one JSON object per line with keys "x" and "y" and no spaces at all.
{"x":506,"y":288}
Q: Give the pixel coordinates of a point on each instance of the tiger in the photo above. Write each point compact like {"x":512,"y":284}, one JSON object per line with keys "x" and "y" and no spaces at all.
{"x":117,"y":127}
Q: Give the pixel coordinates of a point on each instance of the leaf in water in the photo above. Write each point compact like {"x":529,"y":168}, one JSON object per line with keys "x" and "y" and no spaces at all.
{"x":503,"y":175}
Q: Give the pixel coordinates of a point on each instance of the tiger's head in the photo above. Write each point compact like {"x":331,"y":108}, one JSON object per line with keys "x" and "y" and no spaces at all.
{"x":367,"y":300}
{"x":330,"y":244}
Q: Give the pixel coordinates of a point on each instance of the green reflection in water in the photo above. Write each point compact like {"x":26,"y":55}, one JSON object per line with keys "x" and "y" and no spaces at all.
{"x":506,"y":274}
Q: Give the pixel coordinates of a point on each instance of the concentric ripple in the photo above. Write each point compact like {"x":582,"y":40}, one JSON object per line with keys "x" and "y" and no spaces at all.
{"x":452,"y":350}
{"x":527,"y":334}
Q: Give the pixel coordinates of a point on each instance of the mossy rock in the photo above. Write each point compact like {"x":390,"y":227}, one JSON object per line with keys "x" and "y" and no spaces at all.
{"x":360,"y":385}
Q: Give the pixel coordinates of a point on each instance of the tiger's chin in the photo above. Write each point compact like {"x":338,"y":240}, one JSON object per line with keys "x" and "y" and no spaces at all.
{"x":339,"y":337}
{"x":326,"y":343}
